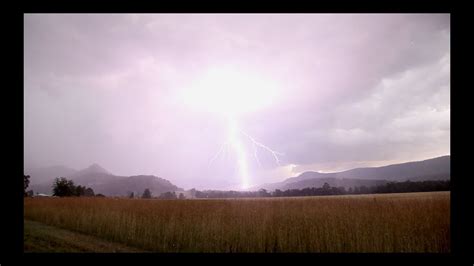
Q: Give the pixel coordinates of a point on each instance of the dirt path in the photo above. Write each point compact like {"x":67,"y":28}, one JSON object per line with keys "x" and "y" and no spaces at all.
{"x":39,"y":237}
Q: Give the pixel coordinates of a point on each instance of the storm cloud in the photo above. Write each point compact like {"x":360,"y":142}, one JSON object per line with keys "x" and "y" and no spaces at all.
{"x":353,"y":90}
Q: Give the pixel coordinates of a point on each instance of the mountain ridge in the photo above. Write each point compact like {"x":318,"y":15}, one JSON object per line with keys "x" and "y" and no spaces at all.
{"x":430,"y":169}
{"x":104,"y":182}
{"x":101,"y":181}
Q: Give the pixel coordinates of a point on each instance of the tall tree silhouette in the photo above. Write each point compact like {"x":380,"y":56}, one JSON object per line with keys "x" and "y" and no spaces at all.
{"x":63,"y":187}
{"x":146,"y":194}
{"x":26,"y":183}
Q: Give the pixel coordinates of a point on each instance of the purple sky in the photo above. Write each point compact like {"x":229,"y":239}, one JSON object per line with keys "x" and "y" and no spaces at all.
{"x":140,"y":94}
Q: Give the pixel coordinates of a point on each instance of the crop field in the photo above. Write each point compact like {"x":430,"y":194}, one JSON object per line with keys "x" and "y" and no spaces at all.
{"x":406,"y":222}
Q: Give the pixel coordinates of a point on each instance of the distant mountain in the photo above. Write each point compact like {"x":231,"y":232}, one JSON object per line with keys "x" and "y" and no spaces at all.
{"x":103,"y":182}
{"x":91,"y":170}
{"x":122,"y":186}
{"x":404,"y":171}
{"x":48,"y":174}
{"x":92,"y":176}
{"x":432,"y":169}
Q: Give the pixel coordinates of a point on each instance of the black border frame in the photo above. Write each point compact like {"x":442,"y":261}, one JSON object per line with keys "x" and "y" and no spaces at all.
{"x":12,"y":238}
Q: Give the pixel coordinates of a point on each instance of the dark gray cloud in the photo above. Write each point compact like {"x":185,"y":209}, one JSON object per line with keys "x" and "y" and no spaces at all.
{"x":354,"y":90}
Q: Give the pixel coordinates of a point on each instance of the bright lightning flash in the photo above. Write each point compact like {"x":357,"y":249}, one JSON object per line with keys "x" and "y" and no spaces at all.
{"x":232,"y":93}
{"x":234,"y":142}
{"x":239,"y":150}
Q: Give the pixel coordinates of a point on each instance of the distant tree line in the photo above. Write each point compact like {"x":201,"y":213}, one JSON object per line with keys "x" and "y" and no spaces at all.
{"x":326,"y":189}
{"x":63,"y":187}
{"x":166,"y":195}
{"x":409,"y":186}
{"x":231,"y":194}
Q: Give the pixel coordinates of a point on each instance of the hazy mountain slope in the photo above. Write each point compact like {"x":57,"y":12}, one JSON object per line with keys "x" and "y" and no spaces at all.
{"x":432,"y":169}
{"x":42,"y":188}
{"x":91,"y":170}
{"x":404,"y":171}
{"x":92,"y":179}
{"x":136,"y":184}
{"x":41,"y":179}
{"x":48,"y":174}
{"x":102,"y":181}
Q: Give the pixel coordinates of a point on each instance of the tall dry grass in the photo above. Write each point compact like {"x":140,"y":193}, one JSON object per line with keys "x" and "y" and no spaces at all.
{"x":409,"y":222}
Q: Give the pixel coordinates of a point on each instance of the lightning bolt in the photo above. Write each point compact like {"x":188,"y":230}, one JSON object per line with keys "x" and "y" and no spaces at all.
{"x":255,"y":154}
{"x":235,"y":143}
{"x":256,"y":143}
{"x":221,"y":149}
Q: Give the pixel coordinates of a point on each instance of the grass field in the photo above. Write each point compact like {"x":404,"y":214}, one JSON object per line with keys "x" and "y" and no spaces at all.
{"x":408,"y":222}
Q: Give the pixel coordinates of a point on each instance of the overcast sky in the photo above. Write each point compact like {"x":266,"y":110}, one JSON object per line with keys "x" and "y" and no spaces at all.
{"x":152,"y":94}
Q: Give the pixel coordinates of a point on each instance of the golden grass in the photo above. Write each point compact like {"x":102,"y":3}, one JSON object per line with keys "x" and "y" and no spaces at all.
{"x":409,"y":222}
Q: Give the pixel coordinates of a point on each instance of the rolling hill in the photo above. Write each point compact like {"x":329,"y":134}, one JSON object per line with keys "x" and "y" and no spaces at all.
{"x":99,"y":179}
{"x":432,"y":169}
{"x":48,"y":174}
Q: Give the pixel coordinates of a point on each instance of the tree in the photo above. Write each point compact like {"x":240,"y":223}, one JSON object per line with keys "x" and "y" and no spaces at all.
{"x":79,"y":191}
{"x":168,"y":195}
{"x":181,"y":196}
{"x":30,"y":193}
{"x":192,"y":192}
{"x":263,"y":193}
{"x":198,"y":194}
{"x":326,"y":186}
{"x":131,"y":195}
{"x":146,"y":194}
{"x":356,"y":190}
{"x":277,"y":193}
{"x":26,"y":183}
{"x":64,"y":188}
{"x":89,"y":192}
